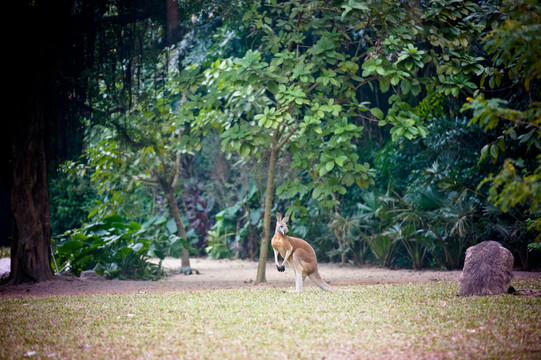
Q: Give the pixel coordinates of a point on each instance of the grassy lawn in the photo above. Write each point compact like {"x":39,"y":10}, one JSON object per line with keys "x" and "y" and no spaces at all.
{"x":412,"y":321}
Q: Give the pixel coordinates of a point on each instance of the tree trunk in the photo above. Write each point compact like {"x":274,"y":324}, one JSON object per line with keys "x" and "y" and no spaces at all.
{"x":31,"y":242}
{"x":174,"y":211}
{"x":269,"y":196}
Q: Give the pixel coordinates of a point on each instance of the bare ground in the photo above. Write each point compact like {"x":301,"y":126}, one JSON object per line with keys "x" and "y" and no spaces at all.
{"x":224,"y":274}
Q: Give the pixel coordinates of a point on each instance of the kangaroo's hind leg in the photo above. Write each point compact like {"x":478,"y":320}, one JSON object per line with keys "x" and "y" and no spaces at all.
{"x":299,"y":276}
{"x":298,"y":282}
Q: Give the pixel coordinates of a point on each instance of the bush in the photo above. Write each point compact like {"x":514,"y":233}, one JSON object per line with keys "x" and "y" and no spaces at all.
{"x":112,"y":247}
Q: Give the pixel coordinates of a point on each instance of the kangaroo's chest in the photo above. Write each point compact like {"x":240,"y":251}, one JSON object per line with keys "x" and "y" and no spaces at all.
{"x":281,"y":244}
{"x":276,"y":242}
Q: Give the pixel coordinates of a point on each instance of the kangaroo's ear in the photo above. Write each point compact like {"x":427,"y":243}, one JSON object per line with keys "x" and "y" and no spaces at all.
{"x":278,"y":216}
{"x":286,"y":219}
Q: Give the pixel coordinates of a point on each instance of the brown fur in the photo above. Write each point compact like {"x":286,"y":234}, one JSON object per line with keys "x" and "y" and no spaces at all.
{"x":488,"y":270}
{"x":298,"y":253}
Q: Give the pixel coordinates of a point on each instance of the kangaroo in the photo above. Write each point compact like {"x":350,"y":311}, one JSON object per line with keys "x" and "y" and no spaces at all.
{"x":298,"y":253}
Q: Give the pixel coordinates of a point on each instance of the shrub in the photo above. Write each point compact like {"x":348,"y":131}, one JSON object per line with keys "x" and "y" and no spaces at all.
{"x":112,"y":247}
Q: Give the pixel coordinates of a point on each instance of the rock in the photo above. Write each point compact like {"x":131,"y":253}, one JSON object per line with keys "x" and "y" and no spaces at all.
{"x":488,"y":270}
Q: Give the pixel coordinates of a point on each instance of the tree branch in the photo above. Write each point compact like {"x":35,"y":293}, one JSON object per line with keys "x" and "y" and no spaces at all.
{"x":146,"y":181}
{"x":282,"y":143}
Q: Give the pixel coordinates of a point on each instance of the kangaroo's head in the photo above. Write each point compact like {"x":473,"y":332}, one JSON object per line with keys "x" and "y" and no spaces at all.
{"x":281,"y":224}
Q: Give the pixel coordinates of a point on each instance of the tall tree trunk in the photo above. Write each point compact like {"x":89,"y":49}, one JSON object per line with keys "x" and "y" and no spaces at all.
{"x":174,"y":211}
{"x":30,"y":244}
{"x":269,"y":196}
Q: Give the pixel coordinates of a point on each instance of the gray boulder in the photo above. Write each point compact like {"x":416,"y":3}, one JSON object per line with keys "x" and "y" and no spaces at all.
{"x":488,"y":270}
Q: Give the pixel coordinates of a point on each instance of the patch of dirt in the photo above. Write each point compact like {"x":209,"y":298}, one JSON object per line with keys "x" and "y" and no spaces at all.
{"x":226,"y":274}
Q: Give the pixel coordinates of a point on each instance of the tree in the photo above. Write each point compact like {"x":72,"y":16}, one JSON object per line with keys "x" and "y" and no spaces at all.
{"x":149,"y":144}
{"x":317,"y":69}
{"x":43,"y":129}
{"x":57,"y":79}
{"x":305,"y":81}
{"x":321,"y":69}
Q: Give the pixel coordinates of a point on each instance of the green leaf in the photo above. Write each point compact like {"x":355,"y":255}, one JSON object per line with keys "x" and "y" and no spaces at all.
{"x":494,"y":153}
{"x":316,"y":193}
{"x":176,"y":247}
{"x":323,"y":170}
{"x":171,"y":226}
{"x":406,"y":86}
{"x":384,"y":85}
{"x":340,"y":160}
{"x":70,"y":247}
{"x":377,"y":113}
{"x":136,"y":247}
{"x":245,"y":149}
{"x":329,"y":166}
{"x":122,"y":253}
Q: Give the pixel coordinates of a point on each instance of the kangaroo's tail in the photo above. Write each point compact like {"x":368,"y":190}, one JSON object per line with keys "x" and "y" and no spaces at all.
{"x":316,"y":278}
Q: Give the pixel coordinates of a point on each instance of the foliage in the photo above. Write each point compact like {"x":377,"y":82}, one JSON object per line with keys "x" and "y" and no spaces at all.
{"x":383,"y":247}
{"x":234,"y":228}
{"x":351,"y":109}
{"x":197,"y":212}
{"x":112,"y":247}
{"x":72,"y":198}
{"x":137,"y":134}
{"x":534,"y":247}
{"x":345,"y":229}
{"x":218,"y":244}
{"x":148,"y":145}
{"x":165,"y":241}
{"x":515,"y":47}
{"x":105,"y":164}
{"x":303,"y":84}
{"x":427,"y":210}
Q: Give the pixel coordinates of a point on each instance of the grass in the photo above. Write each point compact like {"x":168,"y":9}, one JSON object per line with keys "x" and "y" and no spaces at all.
{"x":412,"y":321}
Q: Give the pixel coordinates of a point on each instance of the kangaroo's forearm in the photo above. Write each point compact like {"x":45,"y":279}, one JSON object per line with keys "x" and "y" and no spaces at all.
{"x":288,"y":252}
{"x":278,"y":267}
